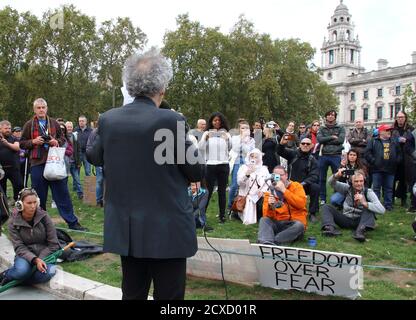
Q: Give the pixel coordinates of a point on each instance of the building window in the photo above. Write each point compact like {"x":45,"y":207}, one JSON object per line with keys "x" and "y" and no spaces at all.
{"x":366,"y":94}
{"x":331,"y":56}
{"x":398,"y":90}
{"x":352,"y":96}
{"x":379,"y":113}
{"x":397,"y":108}
{"x":330,"y":76}
{"x":352,"y":54}
{"x":365,"y":114}
{"x":392,"y":111}
{"x":352,"y":115}
{"x":380,"y":93}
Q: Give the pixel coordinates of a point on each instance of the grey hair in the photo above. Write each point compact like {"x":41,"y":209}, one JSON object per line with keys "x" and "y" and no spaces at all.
{"x":5,"y":123}
{"x":147,"y":74}
{"x":40,"y":101}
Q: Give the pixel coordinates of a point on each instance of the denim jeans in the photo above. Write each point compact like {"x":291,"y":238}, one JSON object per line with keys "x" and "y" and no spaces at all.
{"x":86,"y":164}
{"x":324,"y":162}
{"x":337,"y":199}
{"x":385,"y":181}
{"x":22,"y":270}
{"x":234,"y":185}
{"x":279,"y":232}
{"x":60,"y":194}
{"x":76,"y":181}
{"x":99,"y":184}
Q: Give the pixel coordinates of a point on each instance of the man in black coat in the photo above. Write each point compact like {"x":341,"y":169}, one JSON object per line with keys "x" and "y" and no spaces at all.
{"x":303,"y":168}
{"x":384,"y":155}
{"x":149,"y":162}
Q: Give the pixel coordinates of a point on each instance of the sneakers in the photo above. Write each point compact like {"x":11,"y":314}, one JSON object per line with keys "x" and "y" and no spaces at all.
{"x":78,"y":227}
{"x":330,"y":231}
{"x":323,"y":202}
{"x":411,"y":210}
{"x":359,"y":234}
{"x":3,"y":279}
{"x":312,"y":218}
{"x":221,"y":220}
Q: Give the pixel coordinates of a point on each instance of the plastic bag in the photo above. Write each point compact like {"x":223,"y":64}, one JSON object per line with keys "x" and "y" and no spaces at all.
{"x":55,"y":168}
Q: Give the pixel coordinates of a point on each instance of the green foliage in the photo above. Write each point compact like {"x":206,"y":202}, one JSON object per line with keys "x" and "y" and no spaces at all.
{"x":243,"y":74}
{"x":67,"y":63}
{"x":409,"y":103}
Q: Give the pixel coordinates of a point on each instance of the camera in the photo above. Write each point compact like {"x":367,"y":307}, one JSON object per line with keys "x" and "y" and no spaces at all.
{"x":274,"y":177}
{"x":348,"y":173}
{"x":46,"y":138}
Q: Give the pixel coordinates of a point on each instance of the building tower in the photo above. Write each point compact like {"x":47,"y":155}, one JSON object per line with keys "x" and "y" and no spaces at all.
{"x":341,"y":51}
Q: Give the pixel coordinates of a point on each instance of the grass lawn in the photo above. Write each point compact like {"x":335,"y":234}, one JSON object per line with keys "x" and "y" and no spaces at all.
{"x":391,"y":244}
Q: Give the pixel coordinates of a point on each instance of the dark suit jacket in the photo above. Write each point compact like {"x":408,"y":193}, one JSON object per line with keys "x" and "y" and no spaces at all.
{"x":148,"y":213}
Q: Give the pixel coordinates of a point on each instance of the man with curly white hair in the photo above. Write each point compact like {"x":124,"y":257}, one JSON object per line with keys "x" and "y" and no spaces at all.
{"x":148,"y":215}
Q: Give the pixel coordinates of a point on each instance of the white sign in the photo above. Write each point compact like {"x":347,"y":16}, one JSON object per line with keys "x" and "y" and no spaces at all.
{"x":324,"y":273}
{"x":238,"y":268}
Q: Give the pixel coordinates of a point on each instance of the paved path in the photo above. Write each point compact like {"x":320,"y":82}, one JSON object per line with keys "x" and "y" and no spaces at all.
{"x":26,"y":293}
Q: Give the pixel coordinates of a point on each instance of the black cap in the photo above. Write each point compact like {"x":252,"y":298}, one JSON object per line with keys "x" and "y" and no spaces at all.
{"x":17,"y":129}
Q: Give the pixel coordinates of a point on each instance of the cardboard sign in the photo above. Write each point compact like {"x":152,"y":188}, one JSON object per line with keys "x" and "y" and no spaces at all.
{"x":237,"y":268}
{"x":324,"y":273}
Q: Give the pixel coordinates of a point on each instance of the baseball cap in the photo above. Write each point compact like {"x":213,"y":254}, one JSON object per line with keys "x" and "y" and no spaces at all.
{"x":385,"y":127}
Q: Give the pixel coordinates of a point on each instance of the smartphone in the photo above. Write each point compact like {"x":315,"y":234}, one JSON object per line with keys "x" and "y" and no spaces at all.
{"x":349,"y":172}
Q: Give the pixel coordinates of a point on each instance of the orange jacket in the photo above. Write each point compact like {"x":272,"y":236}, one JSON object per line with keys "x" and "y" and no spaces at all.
{"x":294,"y":206}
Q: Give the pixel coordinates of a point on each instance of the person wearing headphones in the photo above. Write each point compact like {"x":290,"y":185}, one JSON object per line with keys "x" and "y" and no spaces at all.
{"x":34,"y":237}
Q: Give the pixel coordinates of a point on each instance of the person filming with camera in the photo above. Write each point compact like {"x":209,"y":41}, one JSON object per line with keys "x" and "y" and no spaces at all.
{"x":284,"y":211}
{"x":39,"y":134}
{"x":359,"y":208}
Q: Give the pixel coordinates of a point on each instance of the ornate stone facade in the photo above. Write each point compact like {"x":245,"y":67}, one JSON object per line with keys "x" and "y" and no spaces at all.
{"x":374,"y":96}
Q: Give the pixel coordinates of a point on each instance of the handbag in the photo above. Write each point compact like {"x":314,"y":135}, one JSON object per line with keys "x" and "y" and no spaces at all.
{"x":55,"y":168}
{"x":239,"y":202}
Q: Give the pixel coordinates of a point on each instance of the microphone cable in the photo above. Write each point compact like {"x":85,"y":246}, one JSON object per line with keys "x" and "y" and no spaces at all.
{"x":212,"y":247}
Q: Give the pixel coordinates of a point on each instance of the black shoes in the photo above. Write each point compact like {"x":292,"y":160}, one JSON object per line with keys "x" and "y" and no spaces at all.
{"x":330,"y":231}
{"x":208,"y":228}
{"x":221,"y":220}
{"x":100,"y":203}
{"x":359,"y":234}
{"x":78,"y":227}
{"x":411,"y":210}
{"x":80,"y":196}
{"x":313,"y":218}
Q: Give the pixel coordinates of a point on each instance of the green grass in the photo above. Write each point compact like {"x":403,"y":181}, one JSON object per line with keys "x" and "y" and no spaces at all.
{"x":391,"y":244}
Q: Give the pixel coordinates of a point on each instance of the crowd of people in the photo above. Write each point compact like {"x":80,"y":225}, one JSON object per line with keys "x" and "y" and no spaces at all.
{"x":152,"y":209}
{"x":368,"y":166}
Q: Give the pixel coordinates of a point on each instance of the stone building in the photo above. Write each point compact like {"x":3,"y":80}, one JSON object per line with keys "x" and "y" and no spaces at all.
{"x":374,"y":96}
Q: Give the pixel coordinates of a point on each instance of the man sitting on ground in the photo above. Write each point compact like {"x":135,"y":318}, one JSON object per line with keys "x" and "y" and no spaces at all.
{"x":360,"y":207}
{"x":284,"y":212}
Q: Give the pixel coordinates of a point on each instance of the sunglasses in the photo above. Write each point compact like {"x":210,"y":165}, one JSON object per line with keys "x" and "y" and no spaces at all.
{"x":302,"y":127}
{"x":305,"y":144}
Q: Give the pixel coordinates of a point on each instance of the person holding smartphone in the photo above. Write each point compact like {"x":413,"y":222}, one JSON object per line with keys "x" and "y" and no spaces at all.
{"x":351,"y":162}
{"x":216,"y":144}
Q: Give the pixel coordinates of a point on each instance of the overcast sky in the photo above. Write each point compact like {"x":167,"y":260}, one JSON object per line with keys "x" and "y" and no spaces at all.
{"x":386,"y":28}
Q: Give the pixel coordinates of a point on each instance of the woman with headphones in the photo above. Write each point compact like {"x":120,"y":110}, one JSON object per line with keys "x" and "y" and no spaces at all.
{"x":33,"y":235}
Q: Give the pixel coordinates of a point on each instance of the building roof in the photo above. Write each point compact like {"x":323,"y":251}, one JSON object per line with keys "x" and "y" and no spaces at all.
{"x":341,"y":9}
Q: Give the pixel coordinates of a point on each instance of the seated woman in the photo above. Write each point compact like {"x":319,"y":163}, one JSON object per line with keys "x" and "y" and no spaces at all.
{"x":33,"y":236}
{"x":352,"y":163}
{"x":251,"y":179}
{"x":199,"y":197}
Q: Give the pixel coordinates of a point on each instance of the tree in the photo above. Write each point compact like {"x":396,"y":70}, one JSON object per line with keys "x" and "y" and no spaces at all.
{"x":409,"y":103}
{"x":243,"y":74}
{"x":117,"y":41}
